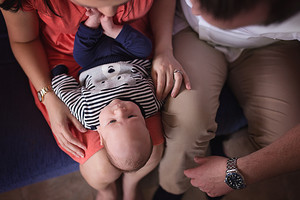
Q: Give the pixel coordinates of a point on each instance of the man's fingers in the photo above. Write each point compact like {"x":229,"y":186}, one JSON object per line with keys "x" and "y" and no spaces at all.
{"x":193,"y":171}
{"x":200,"y":160}
{"x":189,"y":172}
{"x":194,"y":182}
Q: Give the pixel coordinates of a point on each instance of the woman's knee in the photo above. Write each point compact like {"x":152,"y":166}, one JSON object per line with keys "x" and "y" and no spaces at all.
{"x":156,"y":155}
{"x":98,"y":172}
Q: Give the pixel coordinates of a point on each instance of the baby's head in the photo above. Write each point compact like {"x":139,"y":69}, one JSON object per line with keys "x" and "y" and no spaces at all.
{"x":125,"y":136}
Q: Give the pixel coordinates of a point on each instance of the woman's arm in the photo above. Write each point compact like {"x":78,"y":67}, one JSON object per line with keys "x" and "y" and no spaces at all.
{"x":162,"y":17}
{"x":23,"y":30}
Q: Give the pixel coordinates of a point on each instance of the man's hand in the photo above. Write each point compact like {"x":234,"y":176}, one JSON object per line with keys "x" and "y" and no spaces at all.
{"x":209,"y":176}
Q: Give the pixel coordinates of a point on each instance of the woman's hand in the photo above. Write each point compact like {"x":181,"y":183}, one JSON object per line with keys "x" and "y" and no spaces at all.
{"x":168,"y":74}
{"x":60,"y":119}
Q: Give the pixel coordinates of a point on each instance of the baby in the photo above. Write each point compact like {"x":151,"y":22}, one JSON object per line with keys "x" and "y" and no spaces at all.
{"x":115,"y":91}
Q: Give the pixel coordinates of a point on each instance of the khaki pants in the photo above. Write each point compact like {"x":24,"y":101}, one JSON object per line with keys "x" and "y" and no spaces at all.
{"x":266,"y":82}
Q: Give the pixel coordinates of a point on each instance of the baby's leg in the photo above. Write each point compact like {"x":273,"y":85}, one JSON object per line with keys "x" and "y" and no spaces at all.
{"x":131,"y":179}
{"x":101,"y":175}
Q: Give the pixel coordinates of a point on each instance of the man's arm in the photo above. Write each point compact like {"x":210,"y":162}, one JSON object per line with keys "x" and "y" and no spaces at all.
{"x":280,"y":157}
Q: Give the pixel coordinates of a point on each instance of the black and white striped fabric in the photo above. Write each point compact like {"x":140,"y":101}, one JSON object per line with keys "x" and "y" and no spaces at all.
{"x":100,"y":85}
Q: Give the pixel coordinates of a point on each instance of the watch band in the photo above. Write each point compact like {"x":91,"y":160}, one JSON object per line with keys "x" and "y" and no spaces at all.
{"x":231,"y":164}
{"x":43,"y":92}
{"x":233,"y":177}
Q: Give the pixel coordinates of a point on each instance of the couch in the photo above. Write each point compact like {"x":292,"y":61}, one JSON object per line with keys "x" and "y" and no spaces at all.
{"x":28,"y":150}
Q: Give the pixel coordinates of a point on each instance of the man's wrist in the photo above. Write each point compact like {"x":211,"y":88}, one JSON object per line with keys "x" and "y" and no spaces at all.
{"x":233,"y":177}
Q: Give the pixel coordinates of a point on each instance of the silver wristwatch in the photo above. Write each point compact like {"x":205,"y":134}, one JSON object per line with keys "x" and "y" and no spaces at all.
{"x":234,"y":178}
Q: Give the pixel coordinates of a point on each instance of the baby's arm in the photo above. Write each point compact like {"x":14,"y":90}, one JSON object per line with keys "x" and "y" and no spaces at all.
{"x":109,"y":27}
{"x":90,"y":34}
{"x":68,"y":90}
{"x":135,"y":42}
{"x":132,"y":40}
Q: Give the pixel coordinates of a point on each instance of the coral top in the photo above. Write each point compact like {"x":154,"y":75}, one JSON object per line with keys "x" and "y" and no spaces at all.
{"x":58,"y":33}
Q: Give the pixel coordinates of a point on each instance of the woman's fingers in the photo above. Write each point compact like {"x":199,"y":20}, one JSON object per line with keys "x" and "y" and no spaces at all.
{"x":160,"y":85}
{"x":71,"y":144}
{"x":60,"y":119}
{"x":168,"y":75}
{"x":76,"y":152}
{"x":77,"y":124}
{"x":171,"y":82}
{"x":177,"y":82}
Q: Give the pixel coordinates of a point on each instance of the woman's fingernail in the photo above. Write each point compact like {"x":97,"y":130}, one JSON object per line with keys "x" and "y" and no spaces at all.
{"x":189,"y":87}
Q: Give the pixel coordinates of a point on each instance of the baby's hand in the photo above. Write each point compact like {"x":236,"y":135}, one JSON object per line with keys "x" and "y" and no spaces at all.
{"x":110,"y":29}
{"x":94,"y":18}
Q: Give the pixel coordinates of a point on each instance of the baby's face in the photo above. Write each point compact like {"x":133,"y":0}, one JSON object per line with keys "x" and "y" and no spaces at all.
{"x":120,"y":113}
{"x":124,"y":131}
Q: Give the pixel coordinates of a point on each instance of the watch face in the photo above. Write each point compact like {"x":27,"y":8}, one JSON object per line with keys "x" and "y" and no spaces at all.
{"x":235,"y":180}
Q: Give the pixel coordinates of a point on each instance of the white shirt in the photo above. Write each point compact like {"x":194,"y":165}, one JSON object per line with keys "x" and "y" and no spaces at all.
{"x":233,"y":41}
